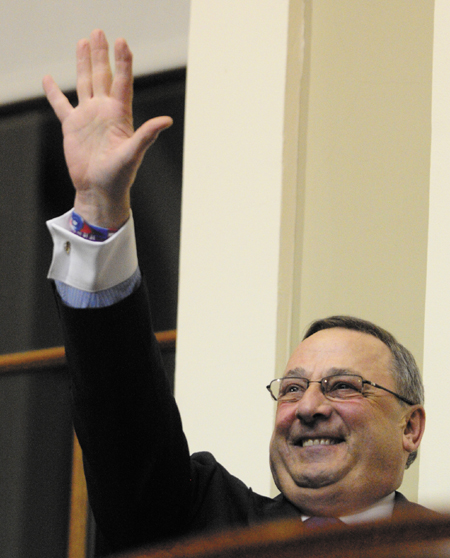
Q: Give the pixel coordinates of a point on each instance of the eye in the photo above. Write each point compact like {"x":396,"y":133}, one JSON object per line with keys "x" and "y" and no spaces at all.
{"x":291,"y":386}
{"x":344,"y":386}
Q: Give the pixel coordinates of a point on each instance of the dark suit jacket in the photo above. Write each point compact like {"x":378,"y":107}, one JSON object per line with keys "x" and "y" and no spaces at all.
{"x":143,"y":484}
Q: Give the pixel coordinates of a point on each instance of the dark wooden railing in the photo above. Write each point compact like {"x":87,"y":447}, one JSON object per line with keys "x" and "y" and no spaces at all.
{"x":55,"y":357}
{"x":411,"y":535}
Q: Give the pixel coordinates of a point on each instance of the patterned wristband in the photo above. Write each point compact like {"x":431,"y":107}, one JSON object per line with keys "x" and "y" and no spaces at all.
{"x":90,"y":232}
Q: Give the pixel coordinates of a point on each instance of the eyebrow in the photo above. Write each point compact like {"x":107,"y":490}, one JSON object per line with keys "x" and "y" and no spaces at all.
{"x":300,"y":372}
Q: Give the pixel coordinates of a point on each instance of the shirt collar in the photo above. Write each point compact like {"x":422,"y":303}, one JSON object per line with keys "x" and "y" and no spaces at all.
{"x":380,"y":510}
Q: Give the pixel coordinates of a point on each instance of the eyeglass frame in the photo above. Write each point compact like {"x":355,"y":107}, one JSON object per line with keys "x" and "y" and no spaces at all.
{"x":308,"y":382}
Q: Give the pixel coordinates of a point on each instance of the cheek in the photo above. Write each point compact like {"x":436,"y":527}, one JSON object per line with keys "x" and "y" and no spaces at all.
{"x":355,"y":414}
{"x":285,"y":416}
{"x":374,"y":435}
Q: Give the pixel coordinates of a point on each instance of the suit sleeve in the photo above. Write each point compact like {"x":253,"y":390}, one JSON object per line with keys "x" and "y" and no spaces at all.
{"x":136,"y":457}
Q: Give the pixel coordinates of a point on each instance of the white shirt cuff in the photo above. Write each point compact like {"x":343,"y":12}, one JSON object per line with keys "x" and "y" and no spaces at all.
{"x":91,"y":266}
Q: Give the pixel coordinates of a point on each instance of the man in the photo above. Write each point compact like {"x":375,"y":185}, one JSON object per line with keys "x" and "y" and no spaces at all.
{"x":346,"y":449}
{"x":349,"y":412}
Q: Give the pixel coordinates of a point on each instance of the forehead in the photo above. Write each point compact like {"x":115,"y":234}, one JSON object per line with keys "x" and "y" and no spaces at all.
{"x":338,"y":348}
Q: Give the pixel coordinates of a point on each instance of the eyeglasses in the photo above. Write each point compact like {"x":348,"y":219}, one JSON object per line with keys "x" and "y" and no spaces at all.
{"x":340,"y":387}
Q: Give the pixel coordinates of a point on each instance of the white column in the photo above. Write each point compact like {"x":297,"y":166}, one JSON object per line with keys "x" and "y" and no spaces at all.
{"x":233,"y":191}
{"x":434,"y":481}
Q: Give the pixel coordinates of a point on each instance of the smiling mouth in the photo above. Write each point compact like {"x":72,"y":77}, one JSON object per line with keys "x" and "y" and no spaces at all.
{"x":307,"y":442}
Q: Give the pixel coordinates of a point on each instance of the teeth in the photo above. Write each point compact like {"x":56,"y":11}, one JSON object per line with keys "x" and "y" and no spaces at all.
{"x":318,"y":442}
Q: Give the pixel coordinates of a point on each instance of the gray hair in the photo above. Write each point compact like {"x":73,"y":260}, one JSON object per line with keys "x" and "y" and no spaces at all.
{"x":404,"y":369}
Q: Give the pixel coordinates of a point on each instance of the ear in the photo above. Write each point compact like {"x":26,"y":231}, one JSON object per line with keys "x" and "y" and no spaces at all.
{"x":414,"y":428}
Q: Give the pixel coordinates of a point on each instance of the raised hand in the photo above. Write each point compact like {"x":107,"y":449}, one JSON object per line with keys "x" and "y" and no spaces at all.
{"x":102,"y":150}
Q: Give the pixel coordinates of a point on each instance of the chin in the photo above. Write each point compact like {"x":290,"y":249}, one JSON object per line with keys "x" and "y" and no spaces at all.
{"x":315,"y":481}
{"x":318,"y":475}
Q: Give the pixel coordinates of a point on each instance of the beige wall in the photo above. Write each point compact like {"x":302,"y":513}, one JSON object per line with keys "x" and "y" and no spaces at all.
{"x":250,"y":272}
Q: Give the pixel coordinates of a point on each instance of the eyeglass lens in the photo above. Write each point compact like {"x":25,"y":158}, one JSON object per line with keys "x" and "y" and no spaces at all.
{"x":334,"y":387}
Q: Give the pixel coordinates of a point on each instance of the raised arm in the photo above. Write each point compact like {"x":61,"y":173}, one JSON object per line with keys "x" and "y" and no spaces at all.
{"x":102,"y":150}
{"x":135,"y":453}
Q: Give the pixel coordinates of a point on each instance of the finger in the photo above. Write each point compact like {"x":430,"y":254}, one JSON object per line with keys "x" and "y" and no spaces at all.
{"x":58,"y":101}
{"x":84,"y":70}
{"x":148,"y":133}
{"x":122,"y":87}
{"x":101,"y":70}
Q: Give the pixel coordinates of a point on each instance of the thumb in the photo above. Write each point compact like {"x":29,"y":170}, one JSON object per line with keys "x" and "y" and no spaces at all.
{"x":148,"y":133}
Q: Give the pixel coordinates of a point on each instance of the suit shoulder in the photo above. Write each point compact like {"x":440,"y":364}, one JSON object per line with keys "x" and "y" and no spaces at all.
{"x":403,"y":506}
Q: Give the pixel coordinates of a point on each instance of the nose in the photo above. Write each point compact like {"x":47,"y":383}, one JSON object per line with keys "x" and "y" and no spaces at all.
{"x":313,"y":405}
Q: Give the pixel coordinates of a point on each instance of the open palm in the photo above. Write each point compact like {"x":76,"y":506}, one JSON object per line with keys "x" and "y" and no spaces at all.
{"x":102,"y":150}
